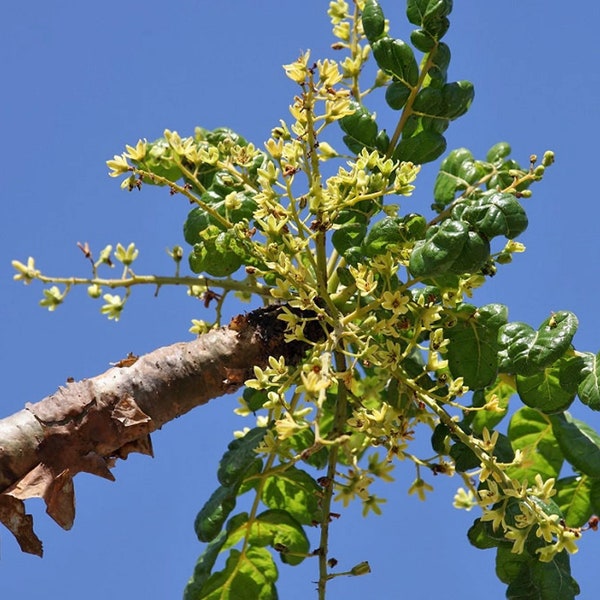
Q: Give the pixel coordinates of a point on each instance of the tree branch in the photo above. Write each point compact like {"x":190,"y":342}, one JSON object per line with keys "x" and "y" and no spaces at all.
{"x":87,"y":425}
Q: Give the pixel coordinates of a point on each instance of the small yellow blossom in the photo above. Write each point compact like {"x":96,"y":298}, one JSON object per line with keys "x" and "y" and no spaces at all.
{"x":297,"y":71}
{"x":286,"y":427}
{"x":25,"y":273}
{"x":53,"y":297}
{"x":496,"y":516}
{"x":138,"y":152}
{"x":364,"y":278}
{"x":518,"y":538}
{"x":396,"y":302}
{"x":420,"y":487}
{"x":464,"y":499}
{"x":199,"y":327}
{"x":113,"y":307}
{"x":118,"y":165}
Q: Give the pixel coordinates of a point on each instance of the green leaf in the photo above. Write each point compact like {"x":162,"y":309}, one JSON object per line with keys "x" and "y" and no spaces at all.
{"x":473,"y":350}
{"x":203,"y":567}
{"x":207,"y":258}
{"x":448,"y":248}
{"x":498,"y":152}
{"x":396,"y":58}
{"x":422,"y":40}
{"x":494,"y":214}
{"x":547,"y":390}
{"x":213,"y":514}
{"x":305,"y":438}
{"x":421,"y":148}
{"x":464,"y":458}
{"x":431,"y":15}
{"x":473,"y":255}
{"x":438,"y":438}
{"x":348,"y":235}
{"x":247,"y":576}
{"x":360,"y":128}
{"x":456,"y":99}
{"x":524,"y":351}
{"x":449,"y":102}
{"x":197,"y":221}
{"x":392,"y":233}
{"x":296,"y":492}
{"x":574,"y":499}
{"x":240,"y":457}
{"x":502,"y":392}
{"x":595,"y":496}
{"x":509,"y":565}
{"x":397,"y":94}
{"x":254,"y":399}
{"x":579,"y":443}
{"x":480,"y":535}
{"x":158,"y":159}
{"x":440,"y":248}
{"x":439,"y":60}
{"x":532,"y":433}
{"x":530,"y":579}
{"x":429,"y":101}
{"x":278,"y":529}
{"x":373,"y":20}
{"x":589,"y":388}
{"x":457,"y":172}
{"x":552,"y":580}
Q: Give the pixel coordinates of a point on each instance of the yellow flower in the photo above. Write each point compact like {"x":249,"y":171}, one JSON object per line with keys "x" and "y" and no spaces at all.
{"x":26,"y":273}
{"x":419,"y":487}
{"x":287,"y":427}
{"x":372,"y":504}
{"x":364,"y":278}
{"x":396,"y":302}
{"x":518,"y":537}
{"x":53,"y":297}
{"x":113,"y":307}
{"x":138,"y":152}
{"x":496,"y":516}
{"x":118,"y":165}
{"x":566,"y":541}
{"x":298,"y":70}
{"x":380,"y":468}
{"x":464,"y":499}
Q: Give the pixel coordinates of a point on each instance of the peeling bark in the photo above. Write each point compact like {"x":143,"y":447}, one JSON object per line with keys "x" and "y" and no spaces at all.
{"x":87,"y":425}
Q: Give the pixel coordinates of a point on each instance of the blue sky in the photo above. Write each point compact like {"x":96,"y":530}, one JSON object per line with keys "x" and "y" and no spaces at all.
{"x":83,"y":79}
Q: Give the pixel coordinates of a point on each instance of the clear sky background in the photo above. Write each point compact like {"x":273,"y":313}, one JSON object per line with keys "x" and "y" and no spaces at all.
{"x":82,"y":79}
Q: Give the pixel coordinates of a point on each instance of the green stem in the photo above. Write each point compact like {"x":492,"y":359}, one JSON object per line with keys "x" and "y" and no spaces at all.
{"x":191,"y":197}
{"x":407,"y":110}
{"x":465,"y":438}
{"x":355,"y":50}
{"x":313,"y":172}
{"x":337,"y":429}
{"x":159,"y":281}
